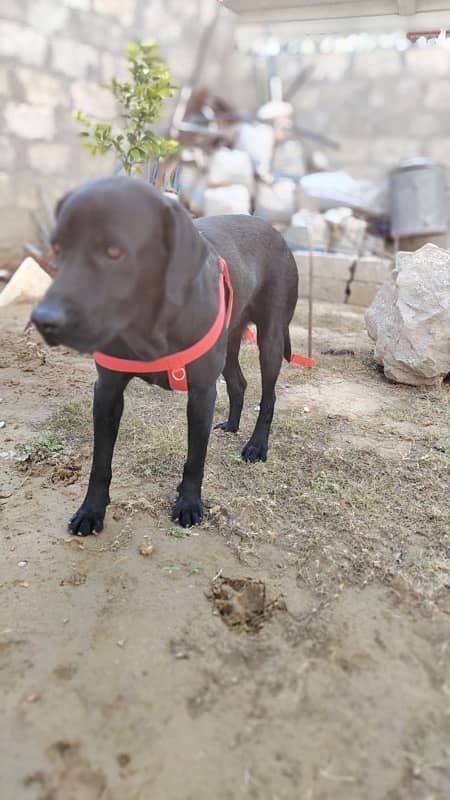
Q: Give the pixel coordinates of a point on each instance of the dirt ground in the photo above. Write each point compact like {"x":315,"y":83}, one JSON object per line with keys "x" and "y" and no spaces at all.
{"x":141,"y":665}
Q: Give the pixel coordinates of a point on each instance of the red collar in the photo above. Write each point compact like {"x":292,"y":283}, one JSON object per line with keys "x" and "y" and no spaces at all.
{"x":175,"y":363}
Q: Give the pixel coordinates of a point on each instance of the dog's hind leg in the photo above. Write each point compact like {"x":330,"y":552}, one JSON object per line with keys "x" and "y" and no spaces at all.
{"x":236,"y":383}
{"x":108,"y":408}
{"x":271,"y":346}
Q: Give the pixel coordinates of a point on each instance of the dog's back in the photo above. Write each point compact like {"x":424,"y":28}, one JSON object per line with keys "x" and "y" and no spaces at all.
{"x":250,"y":244}
{"x":263,"y":269}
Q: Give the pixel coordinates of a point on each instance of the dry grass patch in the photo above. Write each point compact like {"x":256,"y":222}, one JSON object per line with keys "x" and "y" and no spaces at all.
{"x":346,"y":514}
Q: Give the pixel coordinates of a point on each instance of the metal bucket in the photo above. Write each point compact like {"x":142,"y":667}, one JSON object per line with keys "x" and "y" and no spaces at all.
{"x":419,"y":201}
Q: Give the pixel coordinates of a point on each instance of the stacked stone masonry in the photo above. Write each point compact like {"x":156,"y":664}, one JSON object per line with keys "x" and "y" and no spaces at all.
{"x":54,"y":56}
{"x":342,"y":278}
{"x":381,"y":105}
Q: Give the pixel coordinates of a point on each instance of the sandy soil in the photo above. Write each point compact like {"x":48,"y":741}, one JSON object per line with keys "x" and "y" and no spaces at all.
{"x":137,"y":665}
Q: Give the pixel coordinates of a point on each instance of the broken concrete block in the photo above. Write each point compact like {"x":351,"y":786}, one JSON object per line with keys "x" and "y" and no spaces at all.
{"x":28,"y":284}
{"x":331,"y":275}
{"x":326,"y":265}
{"x":409,"y":319}
{"x":330,"y":290}
{"x":374,"y":246}
{"x":359,"y":279}
{"x":307,"y":230}
{"x":362,"y":293}
{"x":192,"y":188}
{"x":233,"y":199}
{"x":258,"y":141}
{"x":274,"y":110}
{"x":333,"y":189}
{"x":318,"y":161}
{"x":229,"y":167}
{"x":288,"y":159}
{"x":346,"y":232}
{"x":197,"y":200}
{"x":276,"y":202}
{"x":338,"y":216}
{"x":373,"y":270}
{"x":305,"y":201}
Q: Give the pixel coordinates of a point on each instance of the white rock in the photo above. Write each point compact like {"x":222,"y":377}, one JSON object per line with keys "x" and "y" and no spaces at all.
{"x":227,"y":200}
{"x":258,"y":141}
{"x":318,"y":161}
{"x":410,"y":318}
{"x":197,"y":200}
{"x":338,"y":216}
{"x":276,"y":203}
{"x":28,"y":284}
{"x":346,"y":231}
{"x":228,"y":167}
{"x":192,"y":188}
{"x":331,"y":189}
{"x":288,"y":159}
{"x":274,"y":109}
{"x":308,"y":229}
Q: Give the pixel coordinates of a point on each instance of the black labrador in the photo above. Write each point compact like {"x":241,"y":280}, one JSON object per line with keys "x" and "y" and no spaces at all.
{"x":138,"y":279}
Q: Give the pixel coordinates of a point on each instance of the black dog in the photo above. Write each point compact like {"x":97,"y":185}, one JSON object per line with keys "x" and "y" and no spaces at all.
{"x":137,"y":279}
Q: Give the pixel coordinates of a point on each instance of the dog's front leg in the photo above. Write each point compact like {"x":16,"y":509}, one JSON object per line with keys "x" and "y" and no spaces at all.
{"x":108,"y":408}
{"x":188,"y":509}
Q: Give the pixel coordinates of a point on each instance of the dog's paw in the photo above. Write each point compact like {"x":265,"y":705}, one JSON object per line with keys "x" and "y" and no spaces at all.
{"x":187,"y":511}
{"x":86,"y":520}
{"x":226,"y":426}
{"x":254,"y":451}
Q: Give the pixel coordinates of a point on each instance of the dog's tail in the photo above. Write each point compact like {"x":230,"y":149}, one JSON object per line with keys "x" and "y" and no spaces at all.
{"x":287,"y":346}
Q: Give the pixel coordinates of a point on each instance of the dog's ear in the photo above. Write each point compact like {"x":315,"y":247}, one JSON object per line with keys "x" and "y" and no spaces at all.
{"x":61,"y":202}
{"x":186,"y":250}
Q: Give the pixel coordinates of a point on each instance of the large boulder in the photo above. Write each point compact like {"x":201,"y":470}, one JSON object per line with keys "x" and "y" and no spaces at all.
{"x":409,"y":319}
{"x":28,"y":284}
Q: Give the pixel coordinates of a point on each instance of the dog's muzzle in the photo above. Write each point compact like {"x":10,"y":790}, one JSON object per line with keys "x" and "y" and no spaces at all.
{"x":51,"y":320}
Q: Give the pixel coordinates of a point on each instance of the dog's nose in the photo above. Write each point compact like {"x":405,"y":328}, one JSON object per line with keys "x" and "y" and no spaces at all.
{"x":49,"y":317}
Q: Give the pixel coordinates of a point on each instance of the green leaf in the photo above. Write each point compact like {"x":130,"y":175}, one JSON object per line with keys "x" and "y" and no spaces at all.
{"x":139,"y":106}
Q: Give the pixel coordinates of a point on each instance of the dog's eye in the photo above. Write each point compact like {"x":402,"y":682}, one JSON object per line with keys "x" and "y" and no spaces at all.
{"x":114,"y":252}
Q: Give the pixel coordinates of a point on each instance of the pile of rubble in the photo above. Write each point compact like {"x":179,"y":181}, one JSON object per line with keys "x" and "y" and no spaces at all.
{"x":262,"y":172}
{"x":263,"y":165}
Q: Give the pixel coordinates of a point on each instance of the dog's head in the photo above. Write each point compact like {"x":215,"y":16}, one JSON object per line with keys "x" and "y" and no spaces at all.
{"x":122,"y":249}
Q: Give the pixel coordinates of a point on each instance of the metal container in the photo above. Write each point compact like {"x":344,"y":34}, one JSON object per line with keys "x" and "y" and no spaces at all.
{"x":419,"y":200}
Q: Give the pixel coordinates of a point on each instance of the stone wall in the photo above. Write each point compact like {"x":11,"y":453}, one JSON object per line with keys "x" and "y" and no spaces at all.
{"x":381,"y":105}
{"x":53,"y":56}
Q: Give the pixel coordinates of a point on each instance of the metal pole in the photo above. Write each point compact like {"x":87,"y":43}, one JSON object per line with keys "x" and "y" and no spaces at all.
{"x":310,"y":297}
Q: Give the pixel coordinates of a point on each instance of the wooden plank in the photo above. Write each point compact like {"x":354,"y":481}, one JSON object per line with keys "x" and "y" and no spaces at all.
{"x":345,"y":16}
{"x":312,"y":11}
{"x":325,"y":19}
